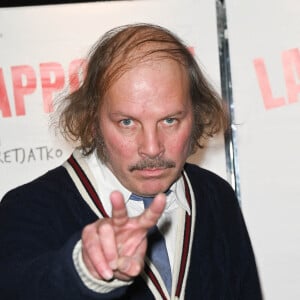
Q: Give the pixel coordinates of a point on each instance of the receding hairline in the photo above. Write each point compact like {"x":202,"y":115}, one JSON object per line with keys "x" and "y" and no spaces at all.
{"x":135,"y":44}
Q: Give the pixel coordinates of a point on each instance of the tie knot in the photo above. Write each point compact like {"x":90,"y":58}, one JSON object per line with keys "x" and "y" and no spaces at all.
{"x":146,"y":200}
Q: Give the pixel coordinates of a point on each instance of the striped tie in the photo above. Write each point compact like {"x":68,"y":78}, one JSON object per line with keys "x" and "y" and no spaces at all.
{"x":157,"y":250}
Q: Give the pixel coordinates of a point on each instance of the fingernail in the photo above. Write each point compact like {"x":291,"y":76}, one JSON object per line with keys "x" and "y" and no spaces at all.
{"x":107,"y":275}
{"x":113,"y":265}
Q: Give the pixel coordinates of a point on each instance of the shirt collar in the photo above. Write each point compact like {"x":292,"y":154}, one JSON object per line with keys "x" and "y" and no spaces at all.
{"x":178,"y":195}
{"x":107,"y":182}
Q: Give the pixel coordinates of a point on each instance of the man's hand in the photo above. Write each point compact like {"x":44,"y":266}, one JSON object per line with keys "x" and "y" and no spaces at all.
{"x":115,"y":247}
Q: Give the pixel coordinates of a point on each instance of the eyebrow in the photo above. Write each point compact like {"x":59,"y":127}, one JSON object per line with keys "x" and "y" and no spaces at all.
{"x":169,"y":115}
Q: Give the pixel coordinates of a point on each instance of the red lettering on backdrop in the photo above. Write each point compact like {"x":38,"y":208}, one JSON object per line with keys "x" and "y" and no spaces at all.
{"x":53,"y":80}
{"x":24,"y":83}
{"x":263,"y":80}
{"x":291,"y":68}
{"x":77,"y":72}
{"x":4,"y":103}
{"x":291,"y":71}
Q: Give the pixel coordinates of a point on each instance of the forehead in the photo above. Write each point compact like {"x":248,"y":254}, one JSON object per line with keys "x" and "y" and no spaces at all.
{"x":128,"y":56}
{"x":151,"y":79}
{"x":148,"y":92}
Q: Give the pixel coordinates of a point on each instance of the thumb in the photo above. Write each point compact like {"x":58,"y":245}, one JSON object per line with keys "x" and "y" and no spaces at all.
{"x":131,"y":265}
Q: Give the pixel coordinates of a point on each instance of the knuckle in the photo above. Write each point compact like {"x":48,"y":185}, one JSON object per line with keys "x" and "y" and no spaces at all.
{"x":89,"y":239}
{"x":87,"y":230}
{"x":103,"y":227}
{"x":137,"y":268}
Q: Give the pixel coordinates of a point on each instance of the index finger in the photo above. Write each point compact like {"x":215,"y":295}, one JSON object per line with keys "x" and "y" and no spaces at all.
{"x":151,"y":215}
{"x":119,"y":211}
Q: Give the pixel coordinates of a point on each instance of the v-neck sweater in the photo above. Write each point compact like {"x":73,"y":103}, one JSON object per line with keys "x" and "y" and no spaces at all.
{"x":40,"y":223}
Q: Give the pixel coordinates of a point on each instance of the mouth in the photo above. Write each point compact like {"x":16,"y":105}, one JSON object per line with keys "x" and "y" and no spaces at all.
{"x":151,"y":172}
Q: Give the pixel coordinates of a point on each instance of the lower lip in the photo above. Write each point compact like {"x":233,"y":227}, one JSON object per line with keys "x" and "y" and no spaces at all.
{"x":151,"y":172}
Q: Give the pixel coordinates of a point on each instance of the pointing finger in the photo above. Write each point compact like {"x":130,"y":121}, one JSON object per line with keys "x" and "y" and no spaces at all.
{"x":119,"y":211}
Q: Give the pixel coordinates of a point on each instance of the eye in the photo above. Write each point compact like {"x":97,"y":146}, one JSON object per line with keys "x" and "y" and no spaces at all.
{"x":126,"y":122}
{"x":170,"y":121}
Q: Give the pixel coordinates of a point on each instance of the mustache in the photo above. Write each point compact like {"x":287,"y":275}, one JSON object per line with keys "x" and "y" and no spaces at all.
{"x":152,"y":163}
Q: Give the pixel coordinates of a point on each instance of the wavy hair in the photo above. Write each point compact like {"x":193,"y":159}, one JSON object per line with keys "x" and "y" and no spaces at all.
{"x":116,"y":52}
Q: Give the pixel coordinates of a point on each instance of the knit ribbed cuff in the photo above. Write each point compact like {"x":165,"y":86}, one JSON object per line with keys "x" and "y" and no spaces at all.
{"x":96,"y":285}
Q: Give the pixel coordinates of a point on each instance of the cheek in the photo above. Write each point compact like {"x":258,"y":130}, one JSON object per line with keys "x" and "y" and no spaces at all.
{"x":179,"y":146}
{"x":120,"y":147}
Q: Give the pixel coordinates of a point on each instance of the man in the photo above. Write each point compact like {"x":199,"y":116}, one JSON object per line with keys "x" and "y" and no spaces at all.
{"x":79,"y":231}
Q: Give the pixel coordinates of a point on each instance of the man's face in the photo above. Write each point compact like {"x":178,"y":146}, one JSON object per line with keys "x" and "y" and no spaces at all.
{"x":146,"y":123}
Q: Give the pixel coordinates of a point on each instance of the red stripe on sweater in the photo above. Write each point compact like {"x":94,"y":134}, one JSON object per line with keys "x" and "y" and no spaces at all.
{"x":186,"y":242}
{"x":87,"y":185}
{"x":154,"y":280}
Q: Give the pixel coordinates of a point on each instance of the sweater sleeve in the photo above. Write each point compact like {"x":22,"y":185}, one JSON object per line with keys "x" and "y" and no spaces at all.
{"x":228,"y":267}
{"x":37,"y":238}
{"x":243,"y":270}
{"x":92,"y":283}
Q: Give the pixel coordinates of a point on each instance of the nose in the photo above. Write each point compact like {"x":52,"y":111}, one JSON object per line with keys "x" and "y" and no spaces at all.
{"x":151,"y":143}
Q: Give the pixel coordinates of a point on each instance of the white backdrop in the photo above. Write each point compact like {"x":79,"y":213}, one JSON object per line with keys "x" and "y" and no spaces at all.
{"x":39,"y":45}
{"x":265,"y":60}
